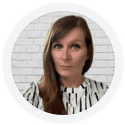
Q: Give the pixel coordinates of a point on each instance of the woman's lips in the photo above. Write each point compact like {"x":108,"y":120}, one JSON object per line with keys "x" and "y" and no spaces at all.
{"x":65,"y":67}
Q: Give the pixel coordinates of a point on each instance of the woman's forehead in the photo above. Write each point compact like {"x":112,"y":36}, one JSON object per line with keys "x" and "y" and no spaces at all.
{"x":76,"y":34}
{"x":70,"y":42}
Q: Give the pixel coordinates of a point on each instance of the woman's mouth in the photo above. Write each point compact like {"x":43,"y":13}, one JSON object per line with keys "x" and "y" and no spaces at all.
{"x":65,"y":66}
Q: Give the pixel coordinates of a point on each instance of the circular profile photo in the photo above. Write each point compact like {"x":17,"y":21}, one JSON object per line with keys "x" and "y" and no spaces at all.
{"x":63,"y":63}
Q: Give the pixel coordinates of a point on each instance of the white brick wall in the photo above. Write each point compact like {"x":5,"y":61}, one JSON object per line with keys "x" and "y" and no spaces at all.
{"x":27,"y":52}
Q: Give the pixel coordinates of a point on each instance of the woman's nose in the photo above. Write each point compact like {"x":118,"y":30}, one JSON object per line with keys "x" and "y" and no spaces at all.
{"x":65,"y":55}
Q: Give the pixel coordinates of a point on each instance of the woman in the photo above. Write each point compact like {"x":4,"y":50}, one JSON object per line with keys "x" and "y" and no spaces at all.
{"x":67,"y":56}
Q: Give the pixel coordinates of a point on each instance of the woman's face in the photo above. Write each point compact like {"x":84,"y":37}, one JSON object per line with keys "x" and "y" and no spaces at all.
{"x":69,"y":53}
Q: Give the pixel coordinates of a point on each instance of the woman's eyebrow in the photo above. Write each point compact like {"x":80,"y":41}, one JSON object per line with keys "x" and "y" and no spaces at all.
{"x":55,"y":42}
{"x":71,"y":41}
{"x":77,"y":40}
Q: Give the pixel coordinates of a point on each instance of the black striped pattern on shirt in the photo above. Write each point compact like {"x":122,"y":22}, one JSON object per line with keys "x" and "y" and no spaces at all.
{"x":31,"y":94}
{"x":80,"y":104}
{"x":90,"y":101}
{"x":90,"y":93}
{"x":76,"y":98}
{"x":87,"y":99}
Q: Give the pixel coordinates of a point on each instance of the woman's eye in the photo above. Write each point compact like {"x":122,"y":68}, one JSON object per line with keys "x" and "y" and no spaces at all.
{"x":75,"y":47}
{"x":57,"y":46}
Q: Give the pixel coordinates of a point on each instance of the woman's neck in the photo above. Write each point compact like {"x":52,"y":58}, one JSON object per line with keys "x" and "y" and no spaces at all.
{"x":72,"y":82}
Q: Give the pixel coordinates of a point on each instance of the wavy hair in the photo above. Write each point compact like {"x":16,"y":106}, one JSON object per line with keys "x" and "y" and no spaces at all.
{"x":49,"y":85}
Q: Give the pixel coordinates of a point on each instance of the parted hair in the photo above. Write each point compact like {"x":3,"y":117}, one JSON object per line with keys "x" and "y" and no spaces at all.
{"x":49,"y":85}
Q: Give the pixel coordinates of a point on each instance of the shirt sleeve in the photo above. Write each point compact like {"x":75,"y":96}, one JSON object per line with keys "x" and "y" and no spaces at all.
{"x":97,"y":90}
{"x":105,"y":87}
{"x":31,"y":94}
{"x":102,"y":89}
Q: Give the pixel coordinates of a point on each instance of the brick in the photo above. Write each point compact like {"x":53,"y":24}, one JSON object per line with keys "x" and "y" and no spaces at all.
{"x":93,"y":64}
{"x":100,"y":64}
{"x":94,"y":27}
{"x":101,"y":41}
{"x":100,"y":34}
{"x":29,"y":27}
{"x":97,"y":78}
{"x":19,"y":78}
{"x":25,"y":64}
{"x":37,"y":56}
{"x":22,"y":71}
{"x":39,"y":41}
{"x":103,"y":56}
{"x":35,"y":21}
{"x":88,"y":20}
{"x":101,"y":71}
{"x":24,"y":42}
{"x":44,"y":33}
{"x":101,"y":49}
{"x":100,"y":78}
{"x":19,"y":64}
{"x":56,"y":18}
{"x":46,"y":19}
{"x":18,"y":56}
{"x":65,"y":13}
{"x":41,"y":49}
{"x":23,"y":34}
{"x":38,"y":71}
{"x":21,"y":86}
{"x":33,"y":78}
{"x":92,"y":33}
{"x":110,"y":79}
{"x":34,"y":34}
{"x":110,"y":49}
{"x":41,"y":64}
{"x":42,"y":27}
{"x":19,"y":49}
{"x":52,"y":14}
{"x":33,"y":49}
{"x":111,"y":64}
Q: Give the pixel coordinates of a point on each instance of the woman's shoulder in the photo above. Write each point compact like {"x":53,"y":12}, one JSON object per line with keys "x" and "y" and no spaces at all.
{"x":97,"y":82}
{"x":96,"y":89}
{"x":31,"y":87}
{"x":31,"y":94}
{"x":97,"y":86}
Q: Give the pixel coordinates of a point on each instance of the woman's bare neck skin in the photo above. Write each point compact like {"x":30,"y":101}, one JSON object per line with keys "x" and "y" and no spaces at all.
{"x":72,"y":82}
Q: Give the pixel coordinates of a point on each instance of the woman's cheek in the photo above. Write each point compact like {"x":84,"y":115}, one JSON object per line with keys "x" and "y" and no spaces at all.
{"x":56,"y":56}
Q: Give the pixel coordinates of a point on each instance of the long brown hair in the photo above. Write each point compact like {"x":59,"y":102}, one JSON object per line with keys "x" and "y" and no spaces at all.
{"x":49,"y":85}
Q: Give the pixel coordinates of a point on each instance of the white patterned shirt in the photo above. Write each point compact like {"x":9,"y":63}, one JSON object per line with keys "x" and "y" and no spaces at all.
{"x":75,"y":99}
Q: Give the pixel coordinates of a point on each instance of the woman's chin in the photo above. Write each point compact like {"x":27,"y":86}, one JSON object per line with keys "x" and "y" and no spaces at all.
{"x":66,"y":75}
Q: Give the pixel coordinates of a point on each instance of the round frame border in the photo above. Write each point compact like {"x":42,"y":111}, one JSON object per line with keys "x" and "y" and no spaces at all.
{"x":83,"y":11}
